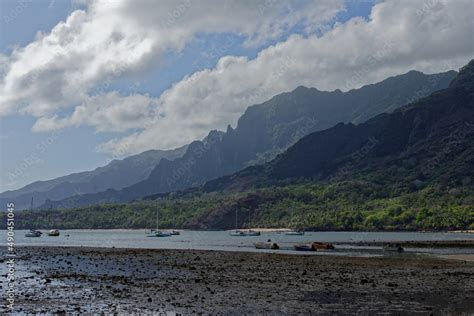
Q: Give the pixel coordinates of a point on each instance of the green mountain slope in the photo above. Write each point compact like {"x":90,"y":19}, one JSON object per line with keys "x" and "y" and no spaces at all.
{"x":267,"y":129}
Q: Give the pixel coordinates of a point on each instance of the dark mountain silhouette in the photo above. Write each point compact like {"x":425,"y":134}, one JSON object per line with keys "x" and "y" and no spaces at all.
{"x":428,"y":140}
{"x":267,"y":129}
{"x":116,"y":175}
{"x":426,"y":144}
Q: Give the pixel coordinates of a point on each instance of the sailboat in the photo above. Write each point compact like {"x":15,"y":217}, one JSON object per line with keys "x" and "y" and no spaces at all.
{"x":242,"y":233}
{"x":251,"y":232}
{"x":157,"y":232}
{"x":174,"y":231}
{"x":237,"y":233}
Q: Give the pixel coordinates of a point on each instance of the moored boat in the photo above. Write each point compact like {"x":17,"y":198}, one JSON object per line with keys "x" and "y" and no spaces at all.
{"x":33,"y":233}
{"x":252,"y":233}
{"x":295,"y":233}
{"x":158,"y":233}
{"x":267,"y":245}
{"x":53,"y":233}
{"x":314,"y":246}
{"x":322,"y":245}
{"x":304,"y":247}
{"x":237,"y":233}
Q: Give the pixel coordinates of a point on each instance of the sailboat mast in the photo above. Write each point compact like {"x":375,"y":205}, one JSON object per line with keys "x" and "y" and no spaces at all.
{"x":157,"y":223}
{"x":249,"y":219}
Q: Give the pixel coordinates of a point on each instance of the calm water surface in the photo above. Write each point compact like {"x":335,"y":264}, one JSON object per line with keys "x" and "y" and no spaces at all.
{"x":221,"y":240}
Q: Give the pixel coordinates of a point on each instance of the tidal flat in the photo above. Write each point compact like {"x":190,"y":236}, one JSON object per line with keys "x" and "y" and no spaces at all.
{"x":110,"y":280}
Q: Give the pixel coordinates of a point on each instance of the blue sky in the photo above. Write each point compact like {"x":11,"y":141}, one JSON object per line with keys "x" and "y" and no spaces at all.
{"x":28,"y":155}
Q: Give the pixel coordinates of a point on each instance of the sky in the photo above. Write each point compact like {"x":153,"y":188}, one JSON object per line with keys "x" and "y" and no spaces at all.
{"x":83,"y":82}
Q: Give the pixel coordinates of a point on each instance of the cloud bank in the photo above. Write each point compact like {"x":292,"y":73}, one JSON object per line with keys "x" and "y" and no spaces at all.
{"x":71,"y":67}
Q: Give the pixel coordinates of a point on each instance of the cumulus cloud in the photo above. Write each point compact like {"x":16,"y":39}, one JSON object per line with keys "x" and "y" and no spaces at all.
{"x":398,"y":36}
{"x":106,"y":112}
{"x":114,"y":38}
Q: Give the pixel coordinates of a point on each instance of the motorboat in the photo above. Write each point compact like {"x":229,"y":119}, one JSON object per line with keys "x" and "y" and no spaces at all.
{"x":33,"y":233}
{"x":53,"y":233}
{"x":174,"y":232}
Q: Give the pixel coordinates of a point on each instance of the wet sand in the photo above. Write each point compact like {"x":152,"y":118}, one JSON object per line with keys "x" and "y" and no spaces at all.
{"x":93,"y":280}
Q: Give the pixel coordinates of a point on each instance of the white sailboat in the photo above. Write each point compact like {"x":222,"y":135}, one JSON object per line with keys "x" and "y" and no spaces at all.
{"x":251,"y":232}
{"x":236,"y":232}
{"x":243,"y":233}
{"x":157,"y":232}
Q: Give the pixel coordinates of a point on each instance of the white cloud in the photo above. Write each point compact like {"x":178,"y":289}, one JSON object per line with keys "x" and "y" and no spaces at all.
{"x":399,"y":36}
{"x":106,"y":112}
{"x":115,"y":38}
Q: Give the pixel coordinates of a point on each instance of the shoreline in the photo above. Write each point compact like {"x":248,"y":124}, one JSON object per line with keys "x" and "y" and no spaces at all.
{"x":468,"y":257}
{"x":264,"y":230}
{"x":111,"y":280}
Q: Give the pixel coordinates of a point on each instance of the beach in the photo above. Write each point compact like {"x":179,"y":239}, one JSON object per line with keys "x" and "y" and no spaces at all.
{"x":94,"y":280}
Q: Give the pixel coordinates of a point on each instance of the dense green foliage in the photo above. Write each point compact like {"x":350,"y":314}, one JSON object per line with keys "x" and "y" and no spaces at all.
{"x":265,"y":130}
{"x":340,"y":206}
{"x":409,"y":170}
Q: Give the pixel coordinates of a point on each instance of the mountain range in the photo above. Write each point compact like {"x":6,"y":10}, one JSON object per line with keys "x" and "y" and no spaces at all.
{"x":412,"y":169}
{"x":427,"y":144}
{"x":267,"y":129}
{"x":116,"y":175}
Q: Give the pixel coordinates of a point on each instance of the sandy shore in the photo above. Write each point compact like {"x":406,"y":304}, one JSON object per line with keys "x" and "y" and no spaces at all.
{"x":95,"y":280}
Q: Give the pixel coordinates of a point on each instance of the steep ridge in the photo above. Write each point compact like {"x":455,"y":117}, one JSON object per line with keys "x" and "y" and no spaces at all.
{"x":428,"y":140}
{"x":267,"y":129}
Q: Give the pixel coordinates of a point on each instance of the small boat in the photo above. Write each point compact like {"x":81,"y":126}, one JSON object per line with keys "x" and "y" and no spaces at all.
{"x":314,"y":246}
{"x":267,"y":245}
{"x":174,"y":232}
{"x":237,"y":233}
{"x":33,"y":233}
{"x":53,"y":233}
{"x":295,"y":233}
{"x":243,"y":233}
{"x":251,"y":233}
{"x":304,"y":247}
{"x":322,"y":246}
{"x":158,"y":233}
{"x":393,"y":247}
